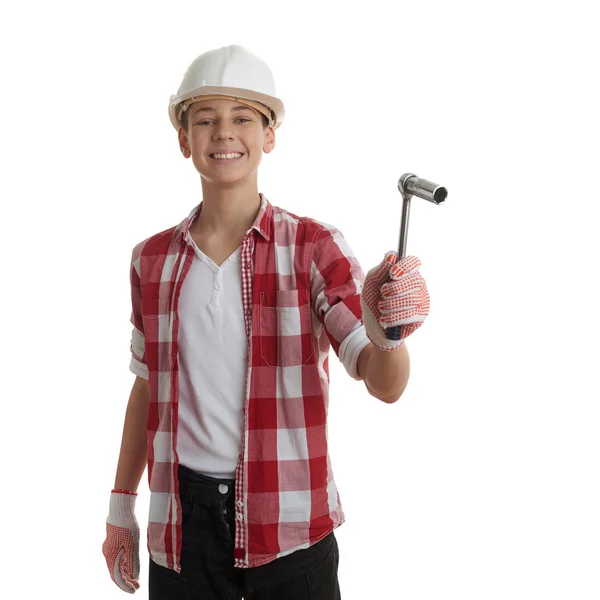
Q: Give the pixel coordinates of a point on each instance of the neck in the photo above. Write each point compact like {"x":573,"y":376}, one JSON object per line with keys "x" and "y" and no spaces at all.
{"x":227,"y":212}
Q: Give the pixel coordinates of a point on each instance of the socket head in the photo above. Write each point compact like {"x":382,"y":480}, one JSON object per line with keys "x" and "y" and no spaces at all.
{"x":409,"y":184}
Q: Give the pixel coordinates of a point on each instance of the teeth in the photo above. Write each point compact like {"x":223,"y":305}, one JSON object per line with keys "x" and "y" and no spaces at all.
{"x":228,"y":156}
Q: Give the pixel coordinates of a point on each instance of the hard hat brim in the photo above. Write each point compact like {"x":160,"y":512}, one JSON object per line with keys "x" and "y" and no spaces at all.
{"x":273,"y":103}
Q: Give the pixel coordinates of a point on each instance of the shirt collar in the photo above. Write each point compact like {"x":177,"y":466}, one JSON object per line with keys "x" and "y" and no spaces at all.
{"x":262,"y":223}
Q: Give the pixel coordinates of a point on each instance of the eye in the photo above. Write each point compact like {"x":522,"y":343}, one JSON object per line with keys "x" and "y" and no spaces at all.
{"x":210,"y":121}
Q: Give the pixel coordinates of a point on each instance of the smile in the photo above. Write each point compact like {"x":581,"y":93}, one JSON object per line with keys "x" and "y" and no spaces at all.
{"x":226,"y":157}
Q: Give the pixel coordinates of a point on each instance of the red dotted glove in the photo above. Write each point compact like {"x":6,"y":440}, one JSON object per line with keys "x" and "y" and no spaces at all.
{"x":122,"y":545}
{"x":394,"y":293}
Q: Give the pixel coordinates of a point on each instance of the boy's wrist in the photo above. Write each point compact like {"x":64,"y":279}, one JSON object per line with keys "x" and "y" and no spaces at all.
{"x":124,"y":492}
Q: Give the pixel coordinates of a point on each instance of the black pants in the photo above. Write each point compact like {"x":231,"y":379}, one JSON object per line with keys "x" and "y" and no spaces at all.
{"x":207,"y":571}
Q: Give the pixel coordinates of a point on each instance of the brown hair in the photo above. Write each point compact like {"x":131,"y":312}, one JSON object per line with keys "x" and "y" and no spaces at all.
{"x":184,"y":120}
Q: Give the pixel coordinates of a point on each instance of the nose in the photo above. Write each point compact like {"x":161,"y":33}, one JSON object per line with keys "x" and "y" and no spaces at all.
{"x":223,"y":130}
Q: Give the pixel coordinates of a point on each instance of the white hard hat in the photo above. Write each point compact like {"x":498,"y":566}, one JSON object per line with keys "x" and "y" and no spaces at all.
{"x":231,"y":71}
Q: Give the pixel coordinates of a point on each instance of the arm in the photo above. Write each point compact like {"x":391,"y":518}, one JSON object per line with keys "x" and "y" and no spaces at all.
{"x":133,"y":455}
{"x":336,"y":280}
{"x":336,"y":283}
{"x":385,"y":373}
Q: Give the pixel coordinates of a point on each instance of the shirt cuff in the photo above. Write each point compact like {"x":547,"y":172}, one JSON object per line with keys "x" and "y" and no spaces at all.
{"x":139,"y":368}
{"x":351,"y":348}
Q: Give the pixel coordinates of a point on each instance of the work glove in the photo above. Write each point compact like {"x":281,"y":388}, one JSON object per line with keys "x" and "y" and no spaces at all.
{"x":394,"y":293}
{"x":122,"y":545}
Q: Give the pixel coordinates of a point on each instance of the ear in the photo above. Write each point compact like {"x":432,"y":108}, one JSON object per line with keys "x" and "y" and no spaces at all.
{"x":183,"y":143}
{"x":269,"y":143}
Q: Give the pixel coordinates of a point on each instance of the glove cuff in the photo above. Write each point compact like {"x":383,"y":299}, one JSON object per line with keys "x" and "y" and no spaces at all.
{"x":121,"y":511}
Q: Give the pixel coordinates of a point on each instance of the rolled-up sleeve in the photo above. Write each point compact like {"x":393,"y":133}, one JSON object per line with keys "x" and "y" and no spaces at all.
{"x":336,"y":284}
{"x":137,"y":364}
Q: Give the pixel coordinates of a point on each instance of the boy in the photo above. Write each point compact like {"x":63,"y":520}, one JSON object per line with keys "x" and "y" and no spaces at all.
{"x":234,"y":311}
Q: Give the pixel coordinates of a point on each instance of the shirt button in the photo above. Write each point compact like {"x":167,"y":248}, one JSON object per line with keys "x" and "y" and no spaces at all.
{"x":240,"y":503}
{"x":232,"y":258}
{"x":240,"y":517}
{"x":223,"y":488}
{"x":217,"y":287}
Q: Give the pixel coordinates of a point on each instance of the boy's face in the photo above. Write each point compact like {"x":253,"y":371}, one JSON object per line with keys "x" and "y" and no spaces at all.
{"x":221,"y":124}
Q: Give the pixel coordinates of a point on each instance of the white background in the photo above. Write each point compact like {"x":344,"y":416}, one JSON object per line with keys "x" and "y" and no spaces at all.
{"x":482,"y":481}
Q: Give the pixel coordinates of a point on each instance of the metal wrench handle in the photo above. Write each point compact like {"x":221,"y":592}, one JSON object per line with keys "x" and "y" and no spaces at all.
{"x":409,"y":184}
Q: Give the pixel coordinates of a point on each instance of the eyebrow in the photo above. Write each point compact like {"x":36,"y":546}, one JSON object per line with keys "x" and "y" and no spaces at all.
{"x":210,"y":109}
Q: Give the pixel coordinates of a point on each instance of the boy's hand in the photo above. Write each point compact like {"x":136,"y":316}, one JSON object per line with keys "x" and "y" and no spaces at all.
{"x":121,"y":548}
{"x":394,"y":293}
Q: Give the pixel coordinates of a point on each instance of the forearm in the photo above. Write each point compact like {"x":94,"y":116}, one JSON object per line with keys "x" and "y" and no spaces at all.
{"x":133,"y":456}
{"x":385,"y":373}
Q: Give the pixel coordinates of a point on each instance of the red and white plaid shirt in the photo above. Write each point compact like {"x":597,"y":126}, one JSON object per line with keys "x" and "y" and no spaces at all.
{"x":301,"y":288}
